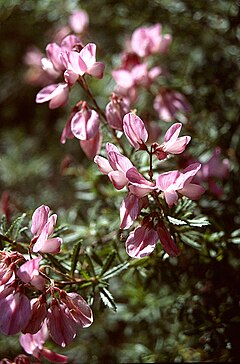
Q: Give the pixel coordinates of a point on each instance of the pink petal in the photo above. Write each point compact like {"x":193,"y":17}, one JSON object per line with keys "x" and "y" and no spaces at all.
{"x":79,"y":309}
{"x":192,"y":191}
{"x":70,"y":77}
{"x":78,"y":21}
{"x":53,"y":51}
{"x":103,"y":164}
{"x":167,"y":241}
{"x":134,"y":130}
{"x":59,"y":96}
{"x":46,"y":93}
{"x":29,"y":269}
{"x":119,"y":162}
{"x":167,"y":179}
{"x":73,"y":62}
{"x":84,"y":125}
{"x":38,"y":314}
{"x":69,"y":42}
{"x":61,"y":326}
{"x":92,"y":146}
{"x":177,"y":146}
{"x":171,"y":197}
{"x":173,"y":132}
{"x":39,"y":219}
{"x":129,"y":211}
{"x":17,"y":312}
{"x":123,"y":78}
{"x":54,"y":357}
{"x":96,"y":70}
{"x":88,"y":54}
{"x":187,"y":175}
{"x":141,"y":242}
{"x":118,"y":179}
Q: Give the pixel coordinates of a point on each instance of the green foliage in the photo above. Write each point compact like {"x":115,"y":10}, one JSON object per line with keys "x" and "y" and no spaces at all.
{"x":167,"y":309}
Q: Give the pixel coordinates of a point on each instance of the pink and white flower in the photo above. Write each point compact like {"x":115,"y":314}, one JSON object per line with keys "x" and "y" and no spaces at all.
{"x":141,"y":241}
{"x":33,"y":344}
{"x":17,"y":311}
{"x":78,"y":21}
{"x":167,"y":240}
{"x":149,"y":40}
{"x":174,"y":182}
{"x":56,"y":94}
{"x":130,"y":209}
{"x":115,"y":111}
{"x":85,"y":123}
{"x":115,"y":166}
{"x":82,"y":62}
{"x":168,"y":103}
{"x":172,"y":143}
{"x":29,"y":273}
{"x":42,"y":227}
{"x":135,"y":131}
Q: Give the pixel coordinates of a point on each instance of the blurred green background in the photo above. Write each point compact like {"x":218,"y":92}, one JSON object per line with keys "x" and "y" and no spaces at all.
{"x":175,"y":310}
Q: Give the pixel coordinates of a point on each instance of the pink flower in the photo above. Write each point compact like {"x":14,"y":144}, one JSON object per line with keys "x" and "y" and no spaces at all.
{"x":174,"y":181}
{"x":78,"y":21}
{"x":17,"y":311}
{"x":83,"y":62}
{"x":135,"y":131}
{"x":38,"y":315}
{"x":168,"y":103}
{"x":78,"y":308}
{"x":115,"y":111}
{"x":149,"y":40}
{"x":141,"y":241}
{"x":172,"y":143}
{"x":39,"y":219}
{"x":43,"y":227}
{"x":167,"y":240}
{"x":91,"y":147}
{"x":61,"y":325}
{"x":33,"y":344}
{"x":130,"y":209}
{"x":29,"y":273}
{"x":138,"y":185}
{"x":85,"y":123}
{"x":57,"y":94}
{"x":139,"y":75}
{"x":116,"y":166}
{"x":53,"y":63}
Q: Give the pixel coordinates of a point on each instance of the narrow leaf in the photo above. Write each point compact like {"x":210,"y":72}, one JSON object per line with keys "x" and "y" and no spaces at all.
{"x":115,"y":270}
{"x":108,"y":262}
{"x":175,"y":221}
{"x":75,"y":256}
{"x":107,"y":299}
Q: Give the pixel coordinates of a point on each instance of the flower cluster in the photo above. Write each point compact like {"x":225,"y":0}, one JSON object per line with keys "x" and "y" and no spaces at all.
{"x":70,"y":62}
{"x":168,"y":185}
{"x":31,"y":303}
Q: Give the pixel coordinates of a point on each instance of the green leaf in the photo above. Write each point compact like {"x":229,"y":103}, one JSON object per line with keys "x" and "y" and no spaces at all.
{"x":235,"y":237}
{"x":107,"y":299}
{"x":55,"y":262}
{"x":190,"y":238}
{"x":199,"y":222}
{"x":75,"y":256}
{"x":108,"y":262}
{"x":96,"y":258}
{"x":90,"y":263}
{"x":116,"y":270}
{"x":175,"y":221}
{"x":16,"y":227}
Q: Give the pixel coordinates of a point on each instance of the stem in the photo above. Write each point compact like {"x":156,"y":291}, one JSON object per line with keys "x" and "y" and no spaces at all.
{"x":84,"y":85}
{"x":150,"y":173}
